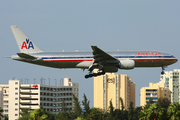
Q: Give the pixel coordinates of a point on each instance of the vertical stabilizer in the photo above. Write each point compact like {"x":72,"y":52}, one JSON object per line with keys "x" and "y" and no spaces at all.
{"x":25,"y":44}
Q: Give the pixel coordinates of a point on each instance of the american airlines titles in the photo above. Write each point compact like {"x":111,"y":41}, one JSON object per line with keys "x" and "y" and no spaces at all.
{"x":148,"y":54}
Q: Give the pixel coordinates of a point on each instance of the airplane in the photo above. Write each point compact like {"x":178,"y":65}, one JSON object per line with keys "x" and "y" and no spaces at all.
{"x":109,"y":61}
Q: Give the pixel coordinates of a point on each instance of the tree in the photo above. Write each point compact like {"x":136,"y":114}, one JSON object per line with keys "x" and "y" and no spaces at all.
{"x":111,"y":109}
{"x":154,"y":112}
{"x":174,"y":111}
{"x":77,"y":107}
{"x":163,"y":102}
{"x":137,"y":111}
{"x":85,"y":103}
{"x":96,"y":114}
{"x":64,"y":107}
{"x":149,"y":103}
{"x":5,"y":117}
{"x":51,"y":116}
{"x":25,"y":114}
{"x":122,"y":106}
{"x":1,"y":113}
{"x":131,"y":111}
{"x":79,"y":118}
{"x":65,"y":114}
{"x":38,"y":114}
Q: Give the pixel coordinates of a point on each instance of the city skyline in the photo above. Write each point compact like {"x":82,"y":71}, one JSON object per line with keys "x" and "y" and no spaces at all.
{"x":70,"y":26}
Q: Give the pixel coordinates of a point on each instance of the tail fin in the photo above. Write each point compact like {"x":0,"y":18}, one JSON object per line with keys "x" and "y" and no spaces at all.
{"x":25,"y":44}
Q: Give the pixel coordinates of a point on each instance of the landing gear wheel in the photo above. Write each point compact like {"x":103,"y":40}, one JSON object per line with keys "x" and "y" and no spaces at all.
{"x":86,"y":76}
{"x":162,"y":73}
{"x":95,"y":74}
{"x":103,"y":73}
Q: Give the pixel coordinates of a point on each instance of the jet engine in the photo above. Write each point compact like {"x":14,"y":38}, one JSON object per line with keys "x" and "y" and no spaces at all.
{"x":127,"y":64}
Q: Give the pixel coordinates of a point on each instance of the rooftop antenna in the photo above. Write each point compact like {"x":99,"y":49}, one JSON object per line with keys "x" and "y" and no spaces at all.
{"x":41,"y":80}
{"x":49,"y":81}
{"x":21,"y":81}
{"x":55,"y":82}
{"x":60,"y":81}
{"x":27,"y":81}
{"x":44,"y":81}
{"x":34,"y":80}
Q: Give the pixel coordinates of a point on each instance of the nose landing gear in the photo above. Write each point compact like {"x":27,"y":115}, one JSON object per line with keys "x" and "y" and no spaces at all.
{"x":163,"y":68}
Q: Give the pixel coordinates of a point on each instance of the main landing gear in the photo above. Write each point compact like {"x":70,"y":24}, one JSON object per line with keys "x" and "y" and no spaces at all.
{"x":163,"y":68}
{"x":94,"y":74}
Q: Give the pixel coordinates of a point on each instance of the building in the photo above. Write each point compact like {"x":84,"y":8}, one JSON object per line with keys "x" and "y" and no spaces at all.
{"x":154,"y":91}
{"x":172,"y":81}
{"x":111,"y":87}
{"x":17,"y":96}
{"x":5,"y":98}
{"x":1,"y":97}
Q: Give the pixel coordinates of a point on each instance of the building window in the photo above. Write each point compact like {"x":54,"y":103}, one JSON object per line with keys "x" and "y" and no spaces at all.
{"x":16,"y":88}
{"x":16,"y":114}
{"x":16,"y":93}
{"x":16,"y":109}
{"x":5,"y":101}
{"x":16,"y":98}
{"x":16,"y":82}
{"x":16,"y":103}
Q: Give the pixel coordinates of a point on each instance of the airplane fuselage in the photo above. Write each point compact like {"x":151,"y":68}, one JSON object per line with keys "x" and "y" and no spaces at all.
{"x":84,"y":59}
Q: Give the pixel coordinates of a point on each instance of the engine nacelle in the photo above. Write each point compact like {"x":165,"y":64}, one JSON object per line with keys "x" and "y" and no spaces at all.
{"x":127,"y":64}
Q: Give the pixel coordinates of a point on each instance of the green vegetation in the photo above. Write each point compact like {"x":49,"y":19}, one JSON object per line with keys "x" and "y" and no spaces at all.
{"x":162,"y":110}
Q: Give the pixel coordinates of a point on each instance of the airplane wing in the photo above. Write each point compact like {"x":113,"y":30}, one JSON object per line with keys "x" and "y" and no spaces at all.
{"x":100,"y":54}
{"x":102,"y":59}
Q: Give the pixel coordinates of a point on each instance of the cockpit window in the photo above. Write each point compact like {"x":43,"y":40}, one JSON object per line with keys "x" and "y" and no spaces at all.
{"x":172,"y":56}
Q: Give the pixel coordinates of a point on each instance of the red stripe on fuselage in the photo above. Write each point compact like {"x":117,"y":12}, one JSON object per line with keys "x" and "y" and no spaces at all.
{"x":80,"y":60}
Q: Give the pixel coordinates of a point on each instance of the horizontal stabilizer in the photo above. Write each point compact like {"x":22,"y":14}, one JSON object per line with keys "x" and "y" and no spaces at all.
{"x":7,"y":57}
{"x":26,"y":56}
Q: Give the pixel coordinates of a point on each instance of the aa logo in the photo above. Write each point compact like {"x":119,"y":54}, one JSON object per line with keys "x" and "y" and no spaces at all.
{"x":27,"y":44}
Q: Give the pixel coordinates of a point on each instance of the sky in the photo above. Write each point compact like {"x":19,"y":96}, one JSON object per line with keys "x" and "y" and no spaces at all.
{"x":65,"y":25}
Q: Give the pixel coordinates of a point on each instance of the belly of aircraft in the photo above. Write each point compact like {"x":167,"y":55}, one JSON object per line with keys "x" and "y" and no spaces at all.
{"x":152,"y":63}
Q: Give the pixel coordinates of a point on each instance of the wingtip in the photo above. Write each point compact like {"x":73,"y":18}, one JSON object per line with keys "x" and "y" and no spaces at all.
{"x":13,"y":26}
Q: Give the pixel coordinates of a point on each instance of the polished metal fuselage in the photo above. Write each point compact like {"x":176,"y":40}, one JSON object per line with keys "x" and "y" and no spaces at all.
{"x":82,"y":60}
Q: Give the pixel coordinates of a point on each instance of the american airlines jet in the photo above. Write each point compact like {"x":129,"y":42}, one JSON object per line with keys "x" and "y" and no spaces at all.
{"x":104,"y":61}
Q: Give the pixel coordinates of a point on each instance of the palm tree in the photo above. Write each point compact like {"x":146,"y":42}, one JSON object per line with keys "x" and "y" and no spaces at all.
{"x":150,"y":113}
{"x":174,"y":111}
{"x":38,"y":114}
{"x":1,"y":113}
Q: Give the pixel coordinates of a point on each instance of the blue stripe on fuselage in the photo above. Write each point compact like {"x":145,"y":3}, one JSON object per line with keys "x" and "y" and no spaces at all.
{"x":114,"y":56}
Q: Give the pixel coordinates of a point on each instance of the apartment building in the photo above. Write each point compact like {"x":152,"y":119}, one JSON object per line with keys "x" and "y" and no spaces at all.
{"x":172,"y":81}
{"x":17,"y":96}
{"x":110,"y":87}
{"x":154,"y":91}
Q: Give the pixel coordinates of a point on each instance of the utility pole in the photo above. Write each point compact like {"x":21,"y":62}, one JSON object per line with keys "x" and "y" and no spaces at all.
{"x":49,"y":81}
{"x":44,"y":81}
{"x":55,"y":82}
